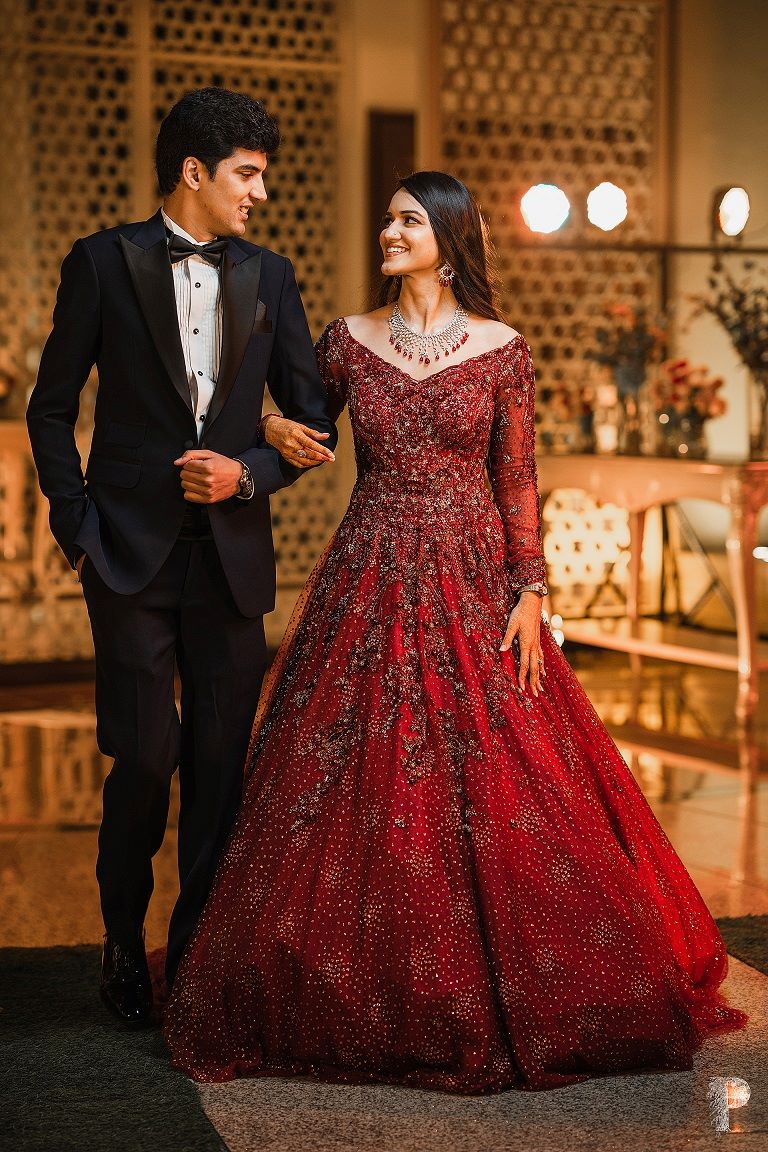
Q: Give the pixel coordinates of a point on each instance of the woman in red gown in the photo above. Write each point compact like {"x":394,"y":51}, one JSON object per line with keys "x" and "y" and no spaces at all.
{"x":443,"y":874}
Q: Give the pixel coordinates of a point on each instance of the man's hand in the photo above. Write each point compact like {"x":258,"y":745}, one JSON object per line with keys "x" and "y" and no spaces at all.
{"x":295,"y":442}
{"x":208,"y":477}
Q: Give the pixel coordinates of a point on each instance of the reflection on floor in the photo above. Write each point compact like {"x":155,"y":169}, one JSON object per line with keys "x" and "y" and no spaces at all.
{"x":674,"y":725}
{"x":36,"y":631}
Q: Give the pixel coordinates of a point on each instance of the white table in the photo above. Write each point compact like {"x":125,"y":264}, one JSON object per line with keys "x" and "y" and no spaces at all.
{"x":637,"y":483}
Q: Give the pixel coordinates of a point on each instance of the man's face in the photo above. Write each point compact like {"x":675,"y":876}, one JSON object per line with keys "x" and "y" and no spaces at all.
{"x":225,"y":202}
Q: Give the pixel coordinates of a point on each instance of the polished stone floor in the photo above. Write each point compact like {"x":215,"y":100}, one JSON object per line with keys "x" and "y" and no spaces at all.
{"x":675,"y":727}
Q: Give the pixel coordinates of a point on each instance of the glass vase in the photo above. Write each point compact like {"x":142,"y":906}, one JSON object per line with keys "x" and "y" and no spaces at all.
{"x":758,"y":425}
{"x":629,"y":431}
{"x":681,"y":434}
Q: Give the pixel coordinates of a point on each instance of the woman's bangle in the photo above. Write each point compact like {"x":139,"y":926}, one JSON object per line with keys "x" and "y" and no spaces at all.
{"x":539,"y":588}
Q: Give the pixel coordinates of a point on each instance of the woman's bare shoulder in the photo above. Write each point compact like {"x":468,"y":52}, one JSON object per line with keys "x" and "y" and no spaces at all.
{"x":362,"y":324}
{"x":492,"y":333}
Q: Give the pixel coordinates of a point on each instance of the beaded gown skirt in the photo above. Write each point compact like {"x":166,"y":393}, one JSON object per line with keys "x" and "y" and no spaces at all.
{"x":437,"y":879}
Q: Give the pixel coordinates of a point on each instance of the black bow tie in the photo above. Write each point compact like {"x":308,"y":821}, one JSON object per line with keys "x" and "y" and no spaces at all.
{"x":180,"y":249}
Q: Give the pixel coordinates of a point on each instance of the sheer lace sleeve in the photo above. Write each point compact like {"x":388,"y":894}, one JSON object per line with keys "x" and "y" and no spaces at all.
{"x":330,"y":360}
{"x":512,"y":465}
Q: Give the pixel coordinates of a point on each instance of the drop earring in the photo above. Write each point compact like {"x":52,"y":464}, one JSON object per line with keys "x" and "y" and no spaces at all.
{"x":445,"y":276}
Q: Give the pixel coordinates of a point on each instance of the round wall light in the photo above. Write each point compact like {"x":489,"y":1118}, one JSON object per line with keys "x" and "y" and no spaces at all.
{"x":607,"y":206}
{"x":545,"y":208}
{"x":731,"y":210}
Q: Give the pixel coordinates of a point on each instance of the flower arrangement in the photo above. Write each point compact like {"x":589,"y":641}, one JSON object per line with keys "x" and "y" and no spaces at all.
{"x":627,"y":344}
{"x":742,"y":310}
{"x":684,"y":397}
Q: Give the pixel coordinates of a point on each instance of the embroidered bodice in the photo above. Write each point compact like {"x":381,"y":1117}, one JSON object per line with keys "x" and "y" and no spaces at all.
{"x":423,"y":446}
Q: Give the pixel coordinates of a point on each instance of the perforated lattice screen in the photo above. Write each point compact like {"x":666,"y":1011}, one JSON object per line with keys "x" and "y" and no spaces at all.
{"x":548,"y":91}
{"x":298,"y":30}
{"x":84,"y":84}
{"x":543,"y":91}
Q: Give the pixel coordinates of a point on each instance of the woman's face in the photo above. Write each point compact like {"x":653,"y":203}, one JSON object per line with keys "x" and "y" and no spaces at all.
{"x":407,"y":240}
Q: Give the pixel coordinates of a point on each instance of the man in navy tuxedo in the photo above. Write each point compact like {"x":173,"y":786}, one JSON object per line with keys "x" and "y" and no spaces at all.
{"x":169,"y":530}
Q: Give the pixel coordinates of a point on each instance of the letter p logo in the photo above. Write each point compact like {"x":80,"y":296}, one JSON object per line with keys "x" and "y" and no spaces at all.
{"x":726,"y":1093}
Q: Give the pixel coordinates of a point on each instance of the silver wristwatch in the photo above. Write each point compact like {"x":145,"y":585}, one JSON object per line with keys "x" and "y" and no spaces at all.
{"x":246,"y":482}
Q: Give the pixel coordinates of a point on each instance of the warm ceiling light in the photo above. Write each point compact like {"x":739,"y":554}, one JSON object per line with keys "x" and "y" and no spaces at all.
{"x":545,"y":208}
{"x":730,"y":211}
{"x":607,"y":206}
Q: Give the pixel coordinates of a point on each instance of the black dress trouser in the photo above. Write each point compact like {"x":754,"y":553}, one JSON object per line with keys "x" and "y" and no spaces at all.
{"x":184,"y":618}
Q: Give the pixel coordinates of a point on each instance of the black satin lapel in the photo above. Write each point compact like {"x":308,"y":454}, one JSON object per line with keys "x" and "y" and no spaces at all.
{"x":153,"y":280}
{"x":240,"y":298}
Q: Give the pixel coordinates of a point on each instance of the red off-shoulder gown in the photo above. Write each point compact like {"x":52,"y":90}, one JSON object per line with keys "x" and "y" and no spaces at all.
{"x":437,"y":879}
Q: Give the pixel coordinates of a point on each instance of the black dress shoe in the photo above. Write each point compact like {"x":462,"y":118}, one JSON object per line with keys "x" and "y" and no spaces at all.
{"x":126,"y":988}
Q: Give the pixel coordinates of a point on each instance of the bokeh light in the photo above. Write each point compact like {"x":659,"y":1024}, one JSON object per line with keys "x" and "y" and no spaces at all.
{"x":733,"y":211}
{"x":545,"y":208}
{"x":607,"y":206}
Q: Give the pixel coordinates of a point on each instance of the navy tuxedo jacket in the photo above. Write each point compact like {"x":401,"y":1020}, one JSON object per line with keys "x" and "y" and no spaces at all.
{"x":116,"y":309}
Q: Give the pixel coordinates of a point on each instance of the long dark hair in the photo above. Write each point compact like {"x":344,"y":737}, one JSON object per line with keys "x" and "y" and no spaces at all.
{"x":462,"y":241}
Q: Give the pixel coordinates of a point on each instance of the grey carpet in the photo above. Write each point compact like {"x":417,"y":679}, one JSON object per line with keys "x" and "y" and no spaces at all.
{"x":72,"y":1080}
{"x":746,"y":938}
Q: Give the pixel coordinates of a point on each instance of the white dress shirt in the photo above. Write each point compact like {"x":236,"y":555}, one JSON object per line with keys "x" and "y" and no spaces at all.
{"x":196,"y":284}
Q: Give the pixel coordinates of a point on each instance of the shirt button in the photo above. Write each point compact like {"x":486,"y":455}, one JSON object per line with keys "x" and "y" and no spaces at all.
{"x":197,"y":285}
{"x":195,"y":331}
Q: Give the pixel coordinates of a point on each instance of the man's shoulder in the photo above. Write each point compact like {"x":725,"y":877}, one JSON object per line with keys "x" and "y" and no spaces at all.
{"x":109,"y":235}
{"x":269,"y":258}
{"x":105,"y":244}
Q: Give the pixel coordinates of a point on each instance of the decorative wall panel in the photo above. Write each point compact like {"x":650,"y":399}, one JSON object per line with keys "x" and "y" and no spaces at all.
{"x":86,"y":23}
{"x":17,"y":304}
{"x":84,"y":84}
{"x":549,"y":91}
{"x":80,"y":166}
{"x":291,"y":29}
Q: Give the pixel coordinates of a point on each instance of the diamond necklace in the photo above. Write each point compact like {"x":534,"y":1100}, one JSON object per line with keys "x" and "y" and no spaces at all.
{"x":428,"y":345}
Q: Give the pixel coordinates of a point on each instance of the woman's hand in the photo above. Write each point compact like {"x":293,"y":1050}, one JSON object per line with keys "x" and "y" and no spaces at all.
{"x":296,"y":443}
{"x":525,"y":623}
